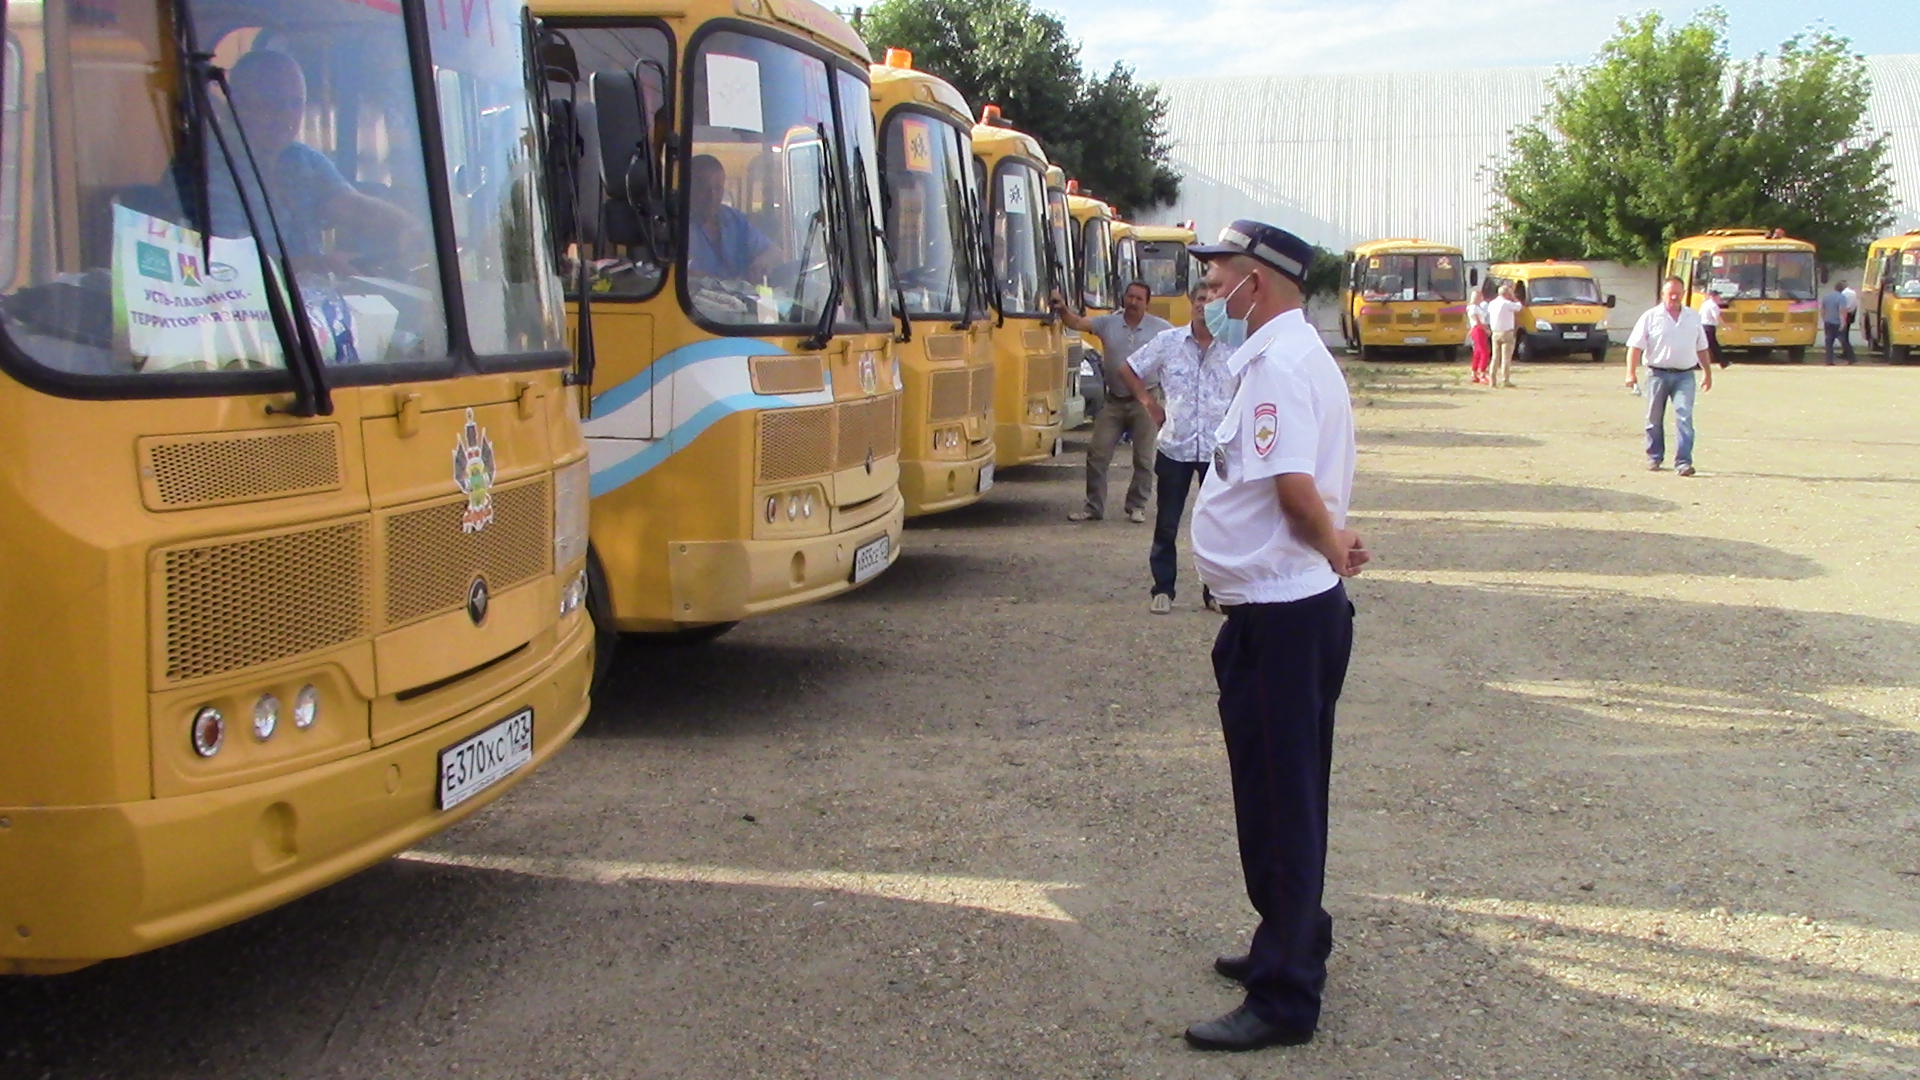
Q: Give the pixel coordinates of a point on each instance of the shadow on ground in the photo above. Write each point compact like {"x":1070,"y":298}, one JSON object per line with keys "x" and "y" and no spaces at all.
{"x":1383,"y":492}
{"x":1499,"y":547}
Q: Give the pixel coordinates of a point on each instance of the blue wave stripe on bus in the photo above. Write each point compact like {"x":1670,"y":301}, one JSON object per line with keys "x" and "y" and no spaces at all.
{"x":625,"y":472}
{"x":618,"y":397}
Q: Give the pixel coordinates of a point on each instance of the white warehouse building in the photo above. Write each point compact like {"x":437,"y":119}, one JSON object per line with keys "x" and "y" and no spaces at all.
{"x":1341,"y":159}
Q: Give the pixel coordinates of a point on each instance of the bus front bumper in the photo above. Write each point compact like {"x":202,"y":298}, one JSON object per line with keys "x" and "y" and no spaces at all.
{"x":930,"y":486}
{"x":81,"y":884}
{"x":1024,"y":444}
{"x":717,"y":581}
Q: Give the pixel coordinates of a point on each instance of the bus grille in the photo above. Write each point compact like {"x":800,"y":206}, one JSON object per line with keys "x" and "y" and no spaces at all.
{"x":1415,"y":318}
{"x":431,"y":563}
{"x":1045,"y":373}
{"x":235,"y":605}
{"x":868,"y":429}
{"x":211,"y":470}
{"x":948,"y":393}
{"x":788,"y":374}
{"x":795,"y":443}
{"x":982,"y":390}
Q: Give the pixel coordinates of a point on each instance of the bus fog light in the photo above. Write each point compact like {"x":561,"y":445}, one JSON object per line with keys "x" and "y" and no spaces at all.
{"x":574,"y":594}
{"x":266,"y":717}
{"x":773,"y":508}
{"x":306,"y":707}
{"x":806,"y":505}
{"x":209,"y":731}
{"x":793,"y":507}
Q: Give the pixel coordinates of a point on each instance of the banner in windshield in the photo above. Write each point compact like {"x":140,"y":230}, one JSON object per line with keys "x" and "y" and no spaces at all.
{"x":182,"y":305}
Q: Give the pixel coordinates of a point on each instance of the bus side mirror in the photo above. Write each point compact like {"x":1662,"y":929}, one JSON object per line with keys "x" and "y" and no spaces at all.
{"x":626,"y":156}
{"x":1473,"y":276}
{"x":1612,"y":300}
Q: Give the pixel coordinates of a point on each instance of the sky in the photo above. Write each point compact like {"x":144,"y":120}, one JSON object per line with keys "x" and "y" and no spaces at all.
{"x":1277,"y":37}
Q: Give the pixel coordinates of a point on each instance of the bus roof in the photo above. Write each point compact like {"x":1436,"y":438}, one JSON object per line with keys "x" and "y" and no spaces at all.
{"x":1541,"y":268}
{"x":1743,"y":239}
{"x":1898,"y":241}
{"x":1405,"y":244}
{"x":1085,"y":208}
{"x":896,"y":85}
{"x":1178,"y":233}
{"x":993,"y":142}
{"x":804,"y":16}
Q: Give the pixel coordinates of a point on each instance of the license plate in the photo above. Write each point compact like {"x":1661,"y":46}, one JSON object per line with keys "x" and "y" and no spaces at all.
{"x":1421,"y":340}
{"x":1761,"y":340}
{"x":986,"y":477}
{"x":870,"y":558}
{"x":478,"y":762}
{"x":1575,"y":335}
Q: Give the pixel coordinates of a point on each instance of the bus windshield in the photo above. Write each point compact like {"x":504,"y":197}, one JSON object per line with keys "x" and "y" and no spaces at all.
{"x":1763,"y":275}
{"x":927,"y":214}
{"x":770,"y":221}
{"x":1020,"y":238}
{"x":1096,"y":273}
{"x":1563,"y":290}
{"x":1412,"y":277}
{"x":1163,"y":266}
{"x":1903,"y":275}
{"x":138,"y":251}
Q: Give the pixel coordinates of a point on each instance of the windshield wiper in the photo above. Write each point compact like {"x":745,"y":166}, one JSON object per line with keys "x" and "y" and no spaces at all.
{"x":959,"y":190}
{"x":833,"y":215}
{"x":311,"y":396}
{"x":879,"y":232}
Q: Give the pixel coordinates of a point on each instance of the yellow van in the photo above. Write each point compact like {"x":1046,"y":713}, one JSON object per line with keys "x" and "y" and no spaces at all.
{"x":1890,"y":296}
{"x":1564,"y":313}
{"x":1161,"y":254}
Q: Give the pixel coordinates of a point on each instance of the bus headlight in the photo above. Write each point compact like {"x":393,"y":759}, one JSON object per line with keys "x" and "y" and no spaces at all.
{"x":574,"y":594}
{"x":793,"y":506}
{"x":306,"y":707}
{"x":209,"y":731}
{"x":571,"y":492}
{"x":266,"y":717}
{"x":1037,"y":410}
{"x":1542,"y":324}
{"x":948,"y":440}
{"x":773,"y":508}
{"x":1602,"y":324}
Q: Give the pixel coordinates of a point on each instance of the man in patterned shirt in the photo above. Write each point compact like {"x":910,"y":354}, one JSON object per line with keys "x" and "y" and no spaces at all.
{"x":1190,"y":367}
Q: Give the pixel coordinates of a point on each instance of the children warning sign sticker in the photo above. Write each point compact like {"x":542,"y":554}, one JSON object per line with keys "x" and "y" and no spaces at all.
{"x":917,"y":140}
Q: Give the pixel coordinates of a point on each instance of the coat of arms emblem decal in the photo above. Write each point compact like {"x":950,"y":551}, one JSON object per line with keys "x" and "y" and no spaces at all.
{"x":869,"y":374}
{"x":473,"y":470}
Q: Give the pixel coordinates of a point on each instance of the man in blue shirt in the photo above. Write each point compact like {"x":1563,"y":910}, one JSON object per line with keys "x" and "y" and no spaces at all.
{"x":1833,"y":316}
{"x":721,"y":242}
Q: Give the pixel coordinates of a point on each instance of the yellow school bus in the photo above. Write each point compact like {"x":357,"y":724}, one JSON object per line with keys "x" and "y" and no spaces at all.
{"x":1890,"y":296}
{"x":1404,"y":293}
{"x":1073,"y":407}
{"x":933,"y":230}
{"x":295,"y":511}
{"x":1766,"y":282}
{"x":1167,"y":268}
{"x":726,"y":223}
{"x":1093,"y":289}
{"x":1029,"y":351}
{"x":1563,"y":310}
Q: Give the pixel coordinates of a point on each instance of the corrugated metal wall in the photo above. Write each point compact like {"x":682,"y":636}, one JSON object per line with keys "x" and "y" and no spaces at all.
{"x":1339,"y":159}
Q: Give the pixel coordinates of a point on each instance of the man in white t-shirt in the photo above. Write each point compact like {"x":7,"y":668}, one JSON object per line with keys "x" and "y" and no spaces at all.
{"x":1671,"y":340}
{"x":1270,"y":540}
{"x":1852,"y":312}
{"x":1503,"y":321}
{"x":1710,"y":322}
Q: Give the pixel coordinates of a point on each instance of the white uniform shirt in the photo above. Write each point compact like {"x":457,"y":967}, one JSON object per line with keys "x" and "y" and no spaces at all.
{"x":1476,"y":313}
{"x":1503,"y":314}
{"x":1197,"y":386}
{"x":1853,"y":299}
{"x":1669,"y":343}
{"x":1291,"y":414}
{"x":1710,"y":311}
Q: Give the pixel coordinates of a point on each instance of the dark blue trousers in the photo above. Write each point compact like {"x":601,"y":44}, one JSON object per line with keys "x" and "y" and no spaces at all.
{"x":1175,"y":479}
{"x":1280,"y":668}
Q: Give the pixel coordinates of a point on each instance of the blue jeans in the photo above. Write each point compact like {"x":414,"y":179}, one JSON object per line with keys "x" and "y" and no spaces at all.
{"x":1175,"y":478}
{"x":1837,"y":335}
{"x":1663,"y":384}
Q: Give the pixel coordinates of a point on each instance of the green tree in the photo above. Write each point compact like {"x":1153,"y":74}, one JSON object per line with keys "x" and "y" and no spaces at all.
{"x":1662,"y":136}
{"x":1108,"y":132}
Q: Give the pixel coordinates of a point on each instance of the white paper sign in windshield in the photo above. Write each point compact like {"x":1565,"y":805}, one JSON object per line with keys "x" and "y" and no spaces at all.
{"x":1013,"y":192}
{"x":733,"y":93}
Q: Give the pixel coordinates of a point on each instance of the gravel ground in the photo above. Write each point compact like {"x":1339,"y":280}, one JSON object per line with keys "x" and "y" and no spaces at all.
{"x":1622,"y":789}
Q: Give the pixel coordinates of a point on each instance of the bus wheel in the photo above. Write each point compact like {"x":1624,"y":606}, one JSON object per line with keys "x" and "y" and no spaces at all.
{"x":1900,"y":354}
{"x":1368,"y":352}
{"x":1599,"y":356}
{"x":606,"y":639}
{"x":1797,"y":353}
{"x":1451,"y":354}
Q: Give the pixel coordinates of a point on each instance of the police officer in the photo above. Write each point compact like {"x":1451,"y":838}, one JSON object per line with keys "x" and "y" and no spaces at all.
{"x":1270,"y":539}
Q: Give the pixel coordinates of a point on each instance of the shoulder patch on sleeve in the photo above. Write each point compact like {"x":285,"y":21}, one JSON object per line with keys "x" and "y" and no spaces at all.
{"x":1266,"y":427}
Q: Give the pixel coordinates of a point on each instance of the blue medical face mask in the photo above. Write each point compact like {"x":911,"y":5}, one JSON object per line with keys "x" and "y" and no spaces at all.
{"x":1225,"y":328}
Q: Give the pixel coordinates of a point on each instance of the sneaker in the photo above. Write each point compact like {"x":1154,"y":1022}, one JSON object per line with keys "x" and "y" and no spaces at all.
{"x":1138,"y":517}
{"x":1083,"y":515}
{"x":1162,"y":604}
{"x":1653,"y":466}
{"x":1683,"y":470}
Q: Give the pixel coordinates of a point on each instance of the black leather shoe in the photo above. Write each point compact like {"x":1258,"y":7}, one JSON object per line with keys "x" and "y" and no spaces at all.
{"x":1241,"y":1030}
{"x":1236,"y":968}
